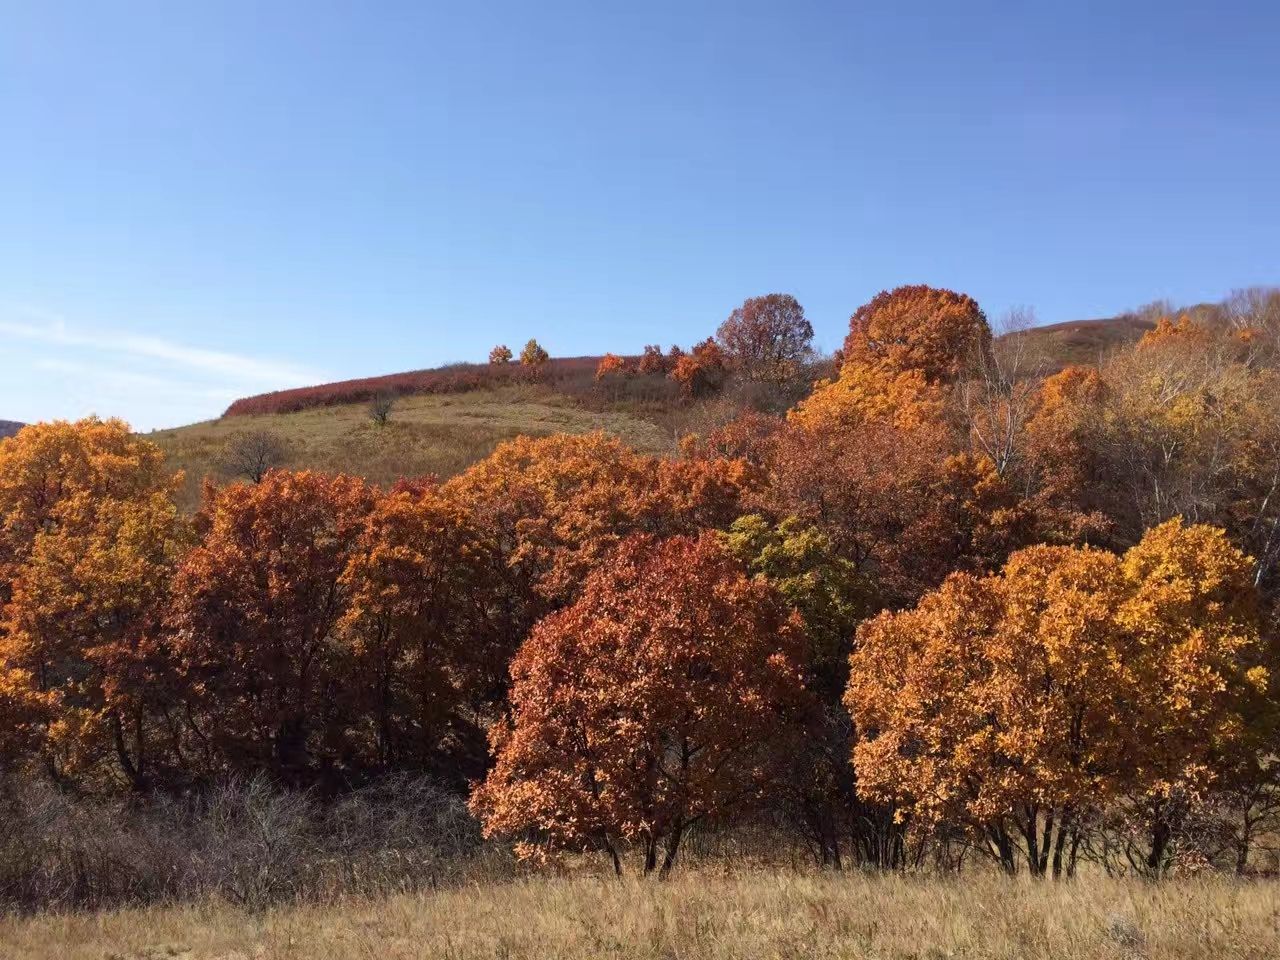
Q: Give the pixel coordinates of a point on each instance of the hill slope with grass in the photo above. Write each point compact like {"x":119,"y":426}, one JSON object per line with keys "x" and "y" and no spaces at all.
{"x":438,"y":434}
{"x":444,"y":420}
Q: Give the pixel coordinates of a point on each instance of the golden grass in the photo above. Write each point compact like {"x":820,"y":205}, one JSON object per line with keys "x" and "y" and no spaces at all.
{"x":703,"y":914}
{"x":441,"y":434}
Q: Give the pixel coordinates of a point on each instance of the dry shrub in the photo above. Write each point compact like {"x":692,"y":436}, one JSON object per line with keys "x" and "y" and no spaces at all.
{"x":243,"y":841}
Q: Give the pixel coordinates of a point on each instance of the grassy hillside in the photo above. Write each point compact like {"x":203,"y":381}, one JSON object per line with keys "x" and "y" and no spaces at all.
{"x":441,"y":434}
{"x":701,"y":915}
{"x":447,"y":419}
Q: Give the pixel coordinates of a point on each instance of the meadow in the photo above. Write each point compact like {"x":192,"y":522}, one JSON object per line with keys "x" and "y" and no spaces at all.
{"x":701,"y":913}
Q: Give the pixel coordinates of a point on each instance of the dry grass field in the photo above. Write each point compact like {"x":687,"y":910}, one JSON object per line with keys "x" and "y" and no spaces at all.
{"x":701,"y":913}
{"x":441,"y":434}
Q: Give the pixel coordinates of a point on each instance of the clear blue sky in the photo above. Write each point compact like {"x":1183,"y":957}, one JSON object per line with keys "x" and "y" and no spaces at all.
{"x":204,"y":200}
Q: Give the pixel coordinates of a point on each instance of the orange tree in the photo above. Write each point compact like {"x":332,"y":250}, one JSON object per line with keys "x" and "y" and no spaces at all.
{"x":89,"y":536}
{"x":652,"y":704}
{"x":256,"y":609}
{"x":920,"y":328}
{"x":905,"y":350}
{"x":610,"y":365}
{"x":500,"y":354}
{"x":1026,"y":703}
{"x":652,"y":361}
{"x":45,"y":465}
{"x":425,"y":629}
{"x":903,"y":505}
{"x":700,"y":371}
{"x":556,"y":506}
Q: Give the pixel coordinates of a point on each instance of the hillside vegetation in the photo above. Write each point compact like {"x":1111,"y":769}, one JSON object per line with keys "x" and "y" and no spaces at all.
{"x":937,"y":608}
{"x":441,"y":421}
{"x":440,"y":434}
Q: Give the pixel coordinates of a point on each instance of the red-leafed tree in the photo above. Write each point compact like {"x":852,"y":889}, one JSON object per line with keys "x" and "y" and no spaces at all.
{"x":767,"y":338}
{"x":654,"y":703}
{"x":256,"y":610}
{"x":701,"y":371}
{"x":653,"y":362}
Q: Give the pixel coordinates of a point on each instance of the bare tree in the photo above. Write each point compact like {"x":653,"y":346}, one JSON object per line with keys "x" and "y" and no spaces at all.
{"x":1253,"y":314}
{"x":999,"y":396}
{"x":251,"y":453}
{"x":380,"y":407}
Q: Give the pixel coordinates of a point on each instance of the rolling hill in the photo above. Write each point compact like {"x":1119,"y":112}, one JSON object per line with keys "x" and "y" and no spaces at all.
{"x":446,"y":419}
{"x":9,"y":427}
{"x":1086,"y":341}
{"x":438,"y":434}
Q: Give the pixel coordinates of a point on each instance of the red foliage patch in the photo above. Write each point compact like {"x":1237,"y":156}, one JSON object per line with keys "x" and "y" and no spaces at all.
{"x":455,"y":378}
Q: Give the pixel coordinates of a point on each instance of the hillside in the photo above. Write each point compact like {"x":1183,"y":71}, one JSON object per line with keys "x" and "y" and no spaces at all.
{"x":1085,"y":341}
{"x":440,"y":434}
{"x":1073,"y":341}
{"x":9,"y":427}
{"x":446,"y":419}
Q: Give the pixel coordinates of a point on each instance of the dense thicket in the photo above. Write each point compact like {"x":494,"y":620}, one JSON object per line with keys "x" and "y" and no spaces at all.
{"x":942,"y":607}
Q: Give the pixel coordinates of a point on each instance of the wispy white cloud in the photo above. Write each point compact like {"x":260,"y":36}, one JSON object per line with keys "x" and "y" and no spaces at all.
{"x":132,"y":380}
{"x":238,"y":367}
{"x":56,"y":369}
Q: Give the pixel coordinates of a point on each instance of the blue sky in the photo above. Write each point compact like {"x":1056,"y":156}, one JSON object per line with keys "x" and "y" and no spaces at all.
{"x":199,"y":201}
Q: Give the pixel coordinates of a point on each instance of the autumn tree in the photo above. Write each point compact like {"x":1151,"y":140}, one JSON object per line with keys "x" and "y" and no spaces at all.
{"x":904,"y":352}
{"x":88,"y":533}
{"x":499,"y":355}
{"x":906,"y":506}
{"x":88,"y":536}
{"x":701,"y":371}
{"x":85,"y":623}
{"x":533,"y":355}
{"x":256,"y":610}
{"x":654,"y":703}
{"x":1024,"y":703}
{"x":47,"y":465}
{"x":1181,"y":425}
{"x":767,"y":338}
{"x":818,"y":795}
{"x":610,"y":365}
{"x":652,"y":362}
{"x":424,"y":629}
{"x":558,"y":505}
{"x":1064,"y":463}
{"x":874,"y":394}
{"x":920,"y":328}
{"x":749,"y":436}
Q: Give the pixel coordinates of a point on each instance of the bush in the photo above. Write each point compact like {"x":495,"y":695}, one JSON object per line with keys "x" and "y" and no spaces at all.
{"x":240,"y":840}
